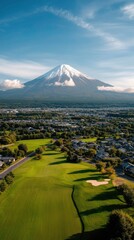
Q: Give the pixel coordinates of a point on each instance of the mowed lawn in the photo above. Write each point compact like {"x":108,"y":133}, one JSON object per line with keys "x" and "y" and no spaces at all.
{"x":38,"y":205}
{"x":88,"y":140}
{"x":31,"y":144}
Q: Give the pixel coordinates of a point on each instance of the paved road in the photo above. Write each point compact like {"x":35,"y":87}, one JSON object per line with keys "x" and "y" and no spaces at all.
{"x":15,"y":165}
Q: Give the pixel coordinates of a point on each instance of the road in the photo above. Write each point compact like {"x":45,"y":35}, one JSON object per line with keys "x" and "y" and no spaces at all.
{"x":15,"y":165}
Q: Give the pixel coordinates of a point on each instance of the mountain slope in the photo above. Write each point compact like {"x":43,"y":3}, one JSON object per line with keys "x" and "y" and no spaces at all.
{"x":65,"y":83}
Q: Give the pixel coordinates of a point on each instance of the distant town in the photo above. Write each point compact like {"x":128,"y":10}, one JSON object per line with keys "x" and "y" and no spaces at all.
{"x":67,"y":165}
{"x":107,"y":132}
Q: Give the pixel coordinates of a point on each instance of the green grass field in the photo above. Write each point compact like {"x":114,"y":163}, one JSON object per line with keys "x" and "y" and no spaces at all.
{"x":38,"y":205}
{"x":31,"y":144}
{"x":93,"y":139}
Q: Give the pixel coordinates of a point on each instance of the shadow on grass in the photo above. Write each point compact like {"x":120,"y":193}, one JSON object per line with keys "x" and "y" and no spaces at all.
{"x":93,"y":177}
{"x":121,"y":199}
{"x":105,"y":195}
{"x":83,"y":171}
{"x":49,"y":154}
{"x":58,"y":162}
{"x":112,"y":194}
{"x":61,"y":158}
{"x":97,"y":234}
{"x":101,"y":209}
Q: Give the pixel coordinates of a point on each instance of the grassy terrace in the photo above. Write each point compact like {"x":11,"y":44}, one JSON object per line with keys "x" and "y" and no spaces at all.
{"x":38,"y":205}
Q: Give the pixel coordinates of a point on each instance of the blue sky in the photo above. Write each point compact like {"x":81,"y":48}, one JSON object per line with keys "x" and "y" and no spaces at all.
{"x":95,"y":37}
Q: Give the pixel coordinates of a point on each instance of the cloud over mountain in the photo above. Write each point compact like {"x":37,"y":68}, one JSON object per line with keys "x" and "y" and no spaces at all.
{"x":10,"y":84}
{"x":116,"y":89}
{"x":66,"y":84}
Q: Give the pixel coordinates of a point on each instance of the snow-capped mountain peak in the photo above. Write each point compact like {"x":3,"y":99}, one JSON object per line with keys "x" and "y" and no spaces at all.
{"x":65,"y":84}
{"x":63,"y":69}
{"x":63,"y":75}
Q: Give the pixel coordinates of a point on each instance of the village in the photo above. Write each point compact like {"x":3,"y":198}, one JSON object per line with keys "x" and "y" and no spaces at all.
{"x":94,"y":134}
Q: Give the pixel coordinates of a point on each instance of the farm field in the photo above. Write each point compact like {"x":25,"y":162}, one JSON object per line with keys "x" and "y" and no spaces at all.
{"x":38,"y":205}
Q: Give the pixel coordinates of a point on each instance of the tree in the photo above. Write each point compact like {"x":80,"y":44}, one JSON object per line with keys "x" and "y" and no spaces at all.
{"x":38,"y":156}
{"x":74,"y":158}
{"x":112,"y":152}
{"x":5,"y":140}
{"x":6,"y":152}
{"x":39,"y":150}
{"x":23,"y":147}
{"x":120,"y":226}
{"x":100,"y":166}
{"x":2,"y":186}
{"x":90,"y":153}
{"x":8,"y":179}
{"x":59,"y":142}
{"x":20,"y":153}
{"x":11,"y":174}
{"x":128,"y":194}
{"x":110,"y":171}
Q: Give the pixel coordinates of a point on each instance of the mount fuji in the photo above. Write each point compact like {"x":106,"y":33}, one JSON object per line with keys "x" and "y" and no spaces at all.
{"x":65,"y":84}
{"x":63,"y":76}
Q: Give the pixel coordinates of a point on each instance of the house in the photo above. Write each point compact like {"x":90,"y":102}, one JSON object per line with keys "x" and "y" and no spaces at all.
{"x":7,"y":160}
{"x":1,"y":163}
{"x":129,"y":169}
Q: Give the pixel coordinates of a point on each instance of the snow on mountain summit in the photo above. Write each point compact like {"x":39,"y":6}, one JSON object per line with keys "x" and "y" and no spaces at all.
{"x":63,"y":75}
{"x":63,"y":69}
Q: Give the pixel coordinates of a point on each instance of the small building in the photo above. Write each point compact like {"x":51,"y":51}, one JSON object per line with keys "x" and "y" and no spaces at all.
{"x":7,"y":160}
{"x":1,"y":163}
{"x":129,"y":169}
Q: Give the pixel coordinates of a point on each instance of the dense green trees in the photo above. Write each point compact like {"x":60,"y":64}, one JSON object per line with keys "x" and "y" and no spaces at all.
{"x":38,"y":152}
{"x":90,"y":153}
{"x":120,"y":226}
{"x":8,"y":179}
{"x":8,"y":138}
{"x":23,"y":147}
{"x":6,"y":152}
{"x":73,"y":157}
{"x":105,"y":167}
{"x":19,"y":152}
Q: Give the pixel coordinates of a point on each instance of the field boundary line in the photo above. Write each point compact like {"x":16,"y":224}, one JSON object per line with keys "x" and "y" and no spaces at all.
{"x":81,"y":221}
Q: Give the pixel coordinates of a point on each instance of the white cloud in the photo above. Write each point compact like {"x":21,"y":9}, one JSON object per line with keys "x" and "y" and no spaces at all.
{"x":128,"y":10}
{"x":10,"y":84}
{"x":88,"y":13}
{"x":112,"y":41}
{"x":116,"y":89}
{"x":117,"y":71}
{"x":22,"y":69}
